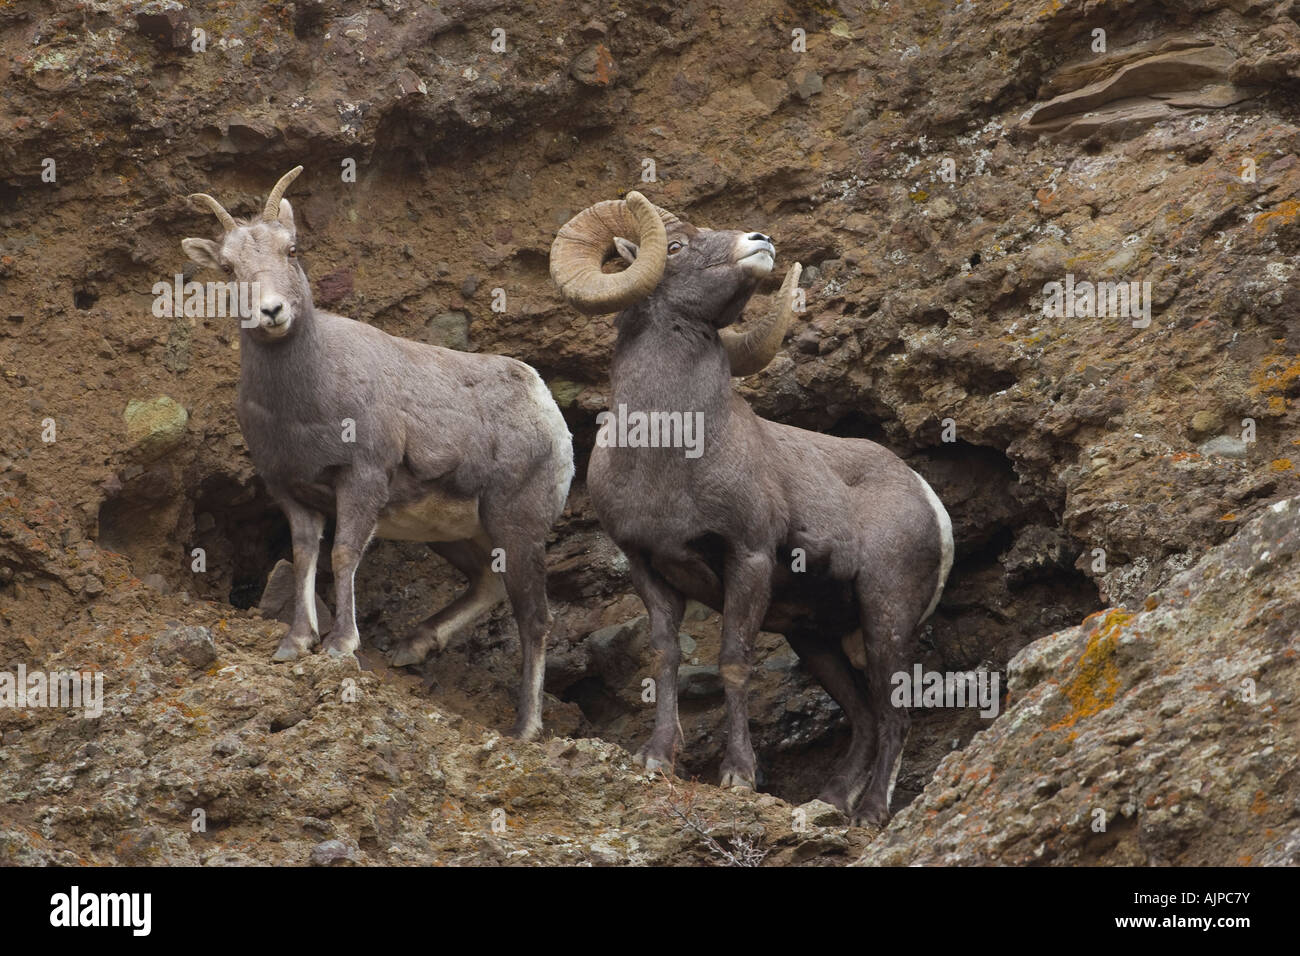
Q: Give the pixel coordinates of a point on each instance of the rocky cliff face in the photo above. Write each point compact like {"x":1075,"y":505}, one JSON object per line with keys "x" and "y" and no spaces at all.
{"x":935,"y":166}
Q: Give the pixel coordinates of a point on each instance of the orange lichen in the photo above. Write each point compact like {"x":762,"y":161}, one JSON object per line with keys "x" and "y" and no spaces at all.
{"x":1095,"y":684}
{"x":1281,"y":464}
{"x":1285,"y":212}
{"x":1275,"y":374}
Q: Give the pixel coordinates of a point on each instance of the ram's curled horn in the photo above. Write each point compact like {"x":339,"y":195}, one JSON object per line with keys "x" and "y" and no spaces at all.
{"x":272,"y":210}
{"x":583,"y":242}
{"x":227,"y":220}
{"x":751,"y":350}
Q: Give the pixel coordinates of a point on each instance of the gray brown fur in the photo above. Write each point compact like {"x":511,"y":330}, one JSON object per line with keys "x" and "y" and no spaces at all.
{"x":466,"y":451}
{"x":720,"y":528}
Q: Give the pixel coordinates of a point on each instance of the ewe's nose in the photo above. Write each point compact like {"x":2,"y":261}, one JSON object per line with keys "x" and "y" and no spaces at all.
{"x":759,"y":237}
{"x":273,"y":309}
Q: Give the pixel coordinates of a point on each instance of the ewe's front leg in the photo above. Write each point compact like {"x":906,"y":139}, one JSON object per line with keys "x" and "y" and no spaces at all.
{"x":357,"y":507}
{"x":305,"y":526}
{"x":666,"y":608}
{"x":748,"y":582}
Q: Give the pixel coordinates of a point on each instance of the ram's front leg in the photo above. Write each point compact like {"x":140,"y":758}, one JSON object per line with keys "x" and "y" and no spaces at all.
{"x":357,"y":502}
{"x":666,"y":608}
{"x":305,"y":526}
{"x":748,"y":584}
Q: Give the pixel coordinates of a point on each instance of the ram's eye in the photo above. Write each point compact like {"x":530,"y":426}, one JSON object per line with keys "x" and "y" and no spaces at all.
{"x":675,"y":246}
{"x":293,"y":250}
{"x":227,"y":268}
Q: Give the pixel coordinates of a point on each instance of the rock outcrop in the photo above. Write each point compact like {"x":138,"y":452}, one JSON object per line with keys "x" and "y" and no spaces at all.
{"x":937,"y":167}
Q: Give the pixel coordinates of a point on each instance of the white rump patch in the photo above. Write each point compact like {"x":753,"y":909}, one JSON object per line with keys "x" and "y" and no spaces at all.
{"x":945,"y":543}
{"x":552,"y":423}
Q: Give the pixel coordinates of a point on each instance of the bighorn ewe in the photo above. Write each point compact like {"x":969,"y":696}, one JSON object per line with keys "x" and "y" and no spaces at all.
{"x":731,"y":527}
{"x":396,"y":439}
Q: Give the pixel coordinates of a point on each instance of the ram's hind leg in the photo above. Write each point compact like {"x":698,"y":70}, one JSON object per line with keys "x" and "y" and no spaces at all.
{"x":890,"y":646}
{"x":826,"y":661}
{"x":485,"y":591}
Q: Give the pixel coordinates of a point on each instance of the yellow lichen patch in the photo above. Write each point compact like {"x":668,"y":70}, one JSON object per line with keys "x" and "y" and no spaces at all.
{"x":1275,"y":374}
{"x":1281,"y":464}
{"x":1096,"y":681}
{"x":919,"y":196}
{"x":1284,"y":213}
{"x":1230,"y":516}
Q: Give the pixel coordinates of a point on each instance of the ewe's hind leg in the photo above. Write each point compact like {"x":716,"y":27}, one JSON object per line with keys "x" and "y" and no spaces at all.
{"x":890,"y":649}
{"x":356,"y":501}
{"x":522,"y":541}
{"x":486,"y":589}
{"x":666,"y":607}
{"x":827,"y":662}
{"x":306,"y":526}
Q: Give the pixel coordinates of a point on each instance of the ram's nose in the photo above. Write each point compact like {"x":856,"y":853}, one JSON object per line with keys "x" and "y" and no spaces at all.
{"x":755,"y":253}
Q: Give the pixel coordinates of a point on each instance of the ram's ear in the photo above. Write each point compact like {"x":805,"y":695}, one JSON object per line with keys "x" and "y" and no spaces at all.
{"x":626,"y":248}
{"x":203,"y":251}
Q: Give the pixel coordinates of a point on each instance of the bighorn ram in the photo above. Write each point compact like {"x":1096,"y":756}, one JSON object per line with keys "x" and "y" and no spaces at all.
{"x":397,"y":439}
{"x":734,"y":525}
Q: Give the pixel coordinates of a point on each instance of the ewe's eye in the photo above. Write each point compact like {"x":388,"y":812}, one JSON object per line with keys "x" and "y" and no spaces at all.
{"x":227,"y":268}
{"x":293,"y":250}
{"x":675,"y":246}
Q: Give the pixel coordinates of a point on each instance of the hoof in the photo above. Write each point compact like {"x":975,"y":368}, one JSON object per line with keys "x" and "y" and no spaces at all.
{"x":405,"y":655}
{"x":290,"y":651}
{"x":866,"y":816}
{"x":526,"y":730}
{"x":341,"y":644}
{"x":653,"y":762}
{"x":339,"y":654}
{"x":737,"y":778}
{"x":868,"y":822}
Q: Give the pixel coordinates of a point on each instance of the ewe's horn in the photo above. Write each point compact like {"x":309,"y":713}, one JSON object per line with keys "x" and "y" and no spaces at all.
{"x":751,"y":350}
{"x":227,"y":220}
{"x":272,"y":209}
{"x":582,"y":243}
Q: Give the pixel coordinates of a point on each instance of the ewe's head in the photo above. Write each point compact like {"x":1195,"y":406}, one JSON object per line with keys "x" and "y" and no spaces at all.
{"x":705,"y":275}
{"x":262,"y":251}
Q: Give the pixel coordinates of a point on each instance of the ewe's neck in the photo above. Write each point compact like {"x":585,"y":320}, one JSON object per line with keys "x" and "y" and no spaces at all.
{"x":291,"y":363}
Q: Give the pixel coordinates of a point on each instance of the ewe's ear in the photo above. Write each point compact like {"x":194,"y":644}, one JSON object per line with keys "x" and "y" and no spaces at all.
{"x":203,"y":251}
{"x":625,"y":249}
{"x":286,"y":216}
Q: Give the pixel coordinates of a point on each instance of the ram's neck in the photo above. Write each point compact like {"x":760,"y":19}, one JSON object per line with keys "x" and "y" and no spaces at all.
{"x":665,"y":363}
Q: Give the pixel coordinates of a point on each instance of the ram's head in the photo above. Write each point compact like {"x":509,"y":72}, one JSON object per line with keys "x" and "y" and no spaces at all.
{"x":704,"y":275}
